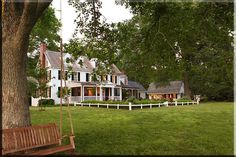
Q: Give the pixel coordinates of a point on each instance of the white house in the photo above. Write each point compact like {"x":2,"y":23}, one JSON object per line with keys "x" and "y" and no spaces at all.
{"x":80,"y":82}
{"x":173,"y":90}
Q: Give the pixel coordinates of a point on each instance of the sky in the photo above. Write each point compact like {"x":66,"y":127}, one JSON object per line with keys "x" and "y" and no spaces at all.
{"x":112,"y":12}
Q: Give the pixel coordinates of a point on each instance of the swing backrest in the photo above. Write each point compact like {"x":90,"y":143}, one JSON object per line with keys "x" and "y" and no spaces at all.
{"x":25,"y":138}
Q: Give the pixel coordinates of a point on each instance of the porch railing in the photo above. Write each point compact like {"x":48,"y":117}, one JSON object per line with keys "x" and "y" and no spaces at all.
{"x":75,"y":98}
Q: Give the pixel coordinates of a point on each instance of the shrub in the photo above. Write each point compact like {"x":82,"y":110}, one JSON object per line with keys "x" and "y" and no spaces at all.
{"x":147,"y":101}
{"x":204,"y":98}
{"x":184,"y":99}
{"x":105,"y":102}
{"x":131,"y":99}
{"x":46,"y":102}
{"x":64,"y":104}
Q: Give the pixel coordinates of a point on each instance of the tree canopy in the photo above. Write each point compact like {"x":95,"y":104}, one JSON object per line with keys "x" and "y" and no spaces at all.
{"x":163,"y":42}
{"x":186,"y":41}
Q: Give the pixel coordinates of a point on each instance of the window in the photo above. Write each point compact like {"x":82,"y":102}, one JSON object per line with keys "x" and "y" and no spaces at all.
{"x":115,"y":79}
{"x":66,"y":75}
{"x":76,"y":91}
{"x":87,"y":77}
{"x":59,"y":92}
{"x":59,"y":74}
{"x":111,"y":78}
{"x":72,"y":76}
{"x":78,"y":76}
{"x":106,"y":77}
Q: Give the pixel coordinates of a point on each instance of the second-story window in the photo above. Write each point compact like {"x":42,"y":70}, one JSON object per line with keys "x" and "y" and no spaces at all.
{"x":66,"y":75}
{"x":59,"y":74}
{"x":115,"y":79}
{"x":72,"y":76}
{"x":78,"y":76}
{"x":111,"y":78}
{"x":87,"y":77}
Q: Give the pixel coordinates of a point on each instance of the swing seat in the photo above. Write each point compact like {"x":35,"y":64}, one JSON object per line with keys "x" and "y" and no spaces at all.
{"x":39,"y":136}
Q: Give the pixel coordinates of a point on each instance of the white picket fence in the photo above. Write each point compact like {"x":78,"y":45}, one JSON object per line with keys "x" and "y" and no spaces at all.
{"x":166,"y":104}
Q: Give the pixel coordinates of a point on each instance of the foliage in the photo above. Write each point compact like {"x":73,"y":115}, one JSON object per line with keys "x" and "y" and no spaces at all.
{"x":46,"y":102}
{"x":180,"y":41}
{"x":32,"y":88}
{"x":105,"y":102}
{"x":131,"y":99}
{"x":147,"y":101}
{"x":41,"y":75}
{"x":183,"y":130}
{"x":65,"y":92}
{"x":45,"y":30}
{"x":184,"y":98}
{"x":98,"y":38}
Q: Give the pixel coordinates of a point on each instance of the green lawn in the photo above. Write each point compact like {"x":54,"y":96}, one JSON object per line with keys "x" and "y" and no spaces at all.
{"x":205,"y":129}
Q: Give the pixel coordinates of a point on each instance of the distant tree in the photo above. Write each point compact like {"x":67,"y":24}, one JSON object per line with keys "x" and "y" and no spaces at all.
{"x":42,"y":85}
{"x":169,"y":41}
{"x":93,"y":37}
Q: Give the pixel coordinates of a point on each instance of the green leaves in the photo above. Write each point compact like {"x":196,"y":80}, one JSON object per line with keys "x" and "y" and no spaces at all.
{"x":167,"y":41}
{"x":45,"y":30}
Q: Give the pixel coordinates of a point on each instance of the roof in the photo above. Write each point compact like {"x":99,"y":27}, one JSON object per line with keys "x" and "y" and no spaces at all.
{"x":54,"y":59}
{"x":134,"y":85}
{"x":171,"y":87}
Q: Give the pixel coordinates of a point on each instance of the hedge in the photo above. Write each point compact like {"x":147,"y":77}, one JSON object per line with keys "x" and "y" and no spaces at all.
{"x":46,"y":102}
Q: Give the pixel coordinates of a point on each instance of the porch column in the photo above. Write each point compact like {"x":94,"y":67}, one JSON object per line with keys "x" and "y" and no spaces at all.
{"x":82,"y":93}
{"x":112,"y":93}
{"x":120,"y":94}
{"x":96,"y":92}
{"x":109,"y":93}
{"x":101,"y":93}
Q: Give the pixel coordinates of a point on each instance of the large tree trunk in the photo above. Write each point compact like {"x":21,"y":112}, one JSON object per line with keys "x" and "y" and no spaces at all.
{"x":18,"y":21}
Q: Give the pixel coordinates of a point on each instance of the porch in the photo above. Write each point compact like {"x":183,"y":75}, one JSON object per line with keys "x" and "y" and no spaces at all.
{"x":92,"y":92}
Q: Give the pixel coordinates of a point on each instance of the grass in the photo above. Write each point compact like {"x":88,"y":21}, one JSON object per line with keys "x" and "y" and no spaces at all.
{"x":205,"y":129}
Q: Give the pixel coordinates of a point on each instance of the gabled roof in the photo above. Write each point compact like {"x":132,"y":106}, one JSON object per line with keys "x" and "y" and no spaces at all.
{"x":172,"y":87}
{"x":54,"y":59}
{"x":134,"y":85}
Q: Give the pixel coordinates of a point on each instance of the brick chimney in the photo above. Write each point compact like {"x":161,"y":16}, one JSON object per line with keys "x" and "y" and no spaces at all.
{"x":42,"y":50}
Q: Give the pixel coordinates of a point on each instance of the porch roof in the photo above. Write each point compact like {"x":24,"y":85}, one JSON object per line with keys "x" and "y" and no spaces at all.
{"x":133,"y":85}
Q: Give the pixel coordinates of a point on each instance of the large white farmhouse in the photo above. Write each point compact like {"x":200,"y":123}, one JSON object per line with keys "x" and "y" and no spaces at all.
{"x":80,"y":82}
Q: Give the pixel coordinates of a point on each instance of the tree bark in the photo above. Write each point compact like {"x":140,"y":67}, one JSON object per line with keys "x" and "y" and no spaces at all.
{"x":18,"y":21}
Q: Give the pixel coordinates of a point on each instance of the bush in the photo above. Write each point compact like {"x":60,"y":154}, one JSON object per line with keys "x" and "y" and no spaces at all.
{"x":104,"y":102}
{"x":147,"y":101}
{"x":46,"y":102}
{"x":204,"y":98}
{"x":64,"y":105}
{"x":184,"y":99}
{"x":131,"y":99}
